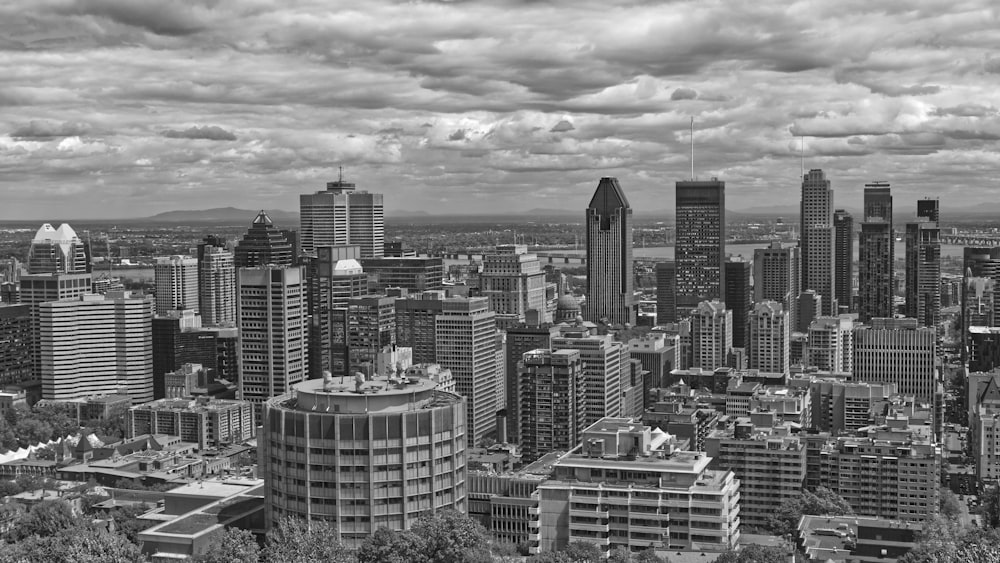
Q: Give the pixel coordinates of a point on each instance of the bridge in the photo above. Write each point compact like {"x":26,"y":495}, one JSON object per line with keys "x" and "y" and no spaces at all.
{"x":976,"y":239}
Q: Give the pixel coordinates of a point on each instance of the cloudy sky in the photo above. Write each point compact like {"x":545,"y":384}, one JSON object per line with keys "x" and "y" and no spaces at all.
{"x":115,"y":108}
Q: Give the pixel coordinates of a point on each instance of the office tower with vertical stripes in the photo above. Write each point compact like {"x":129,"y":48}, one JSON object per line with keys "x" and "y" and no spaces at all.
{"x":608,"y":218}
{"x":176,"y":280}
{"x":263,"y":245}
{"x":738,"y":297}
{"x":843,"y":260}
{"x":923,"y":265}
{"x":216,"y":286}
{"x":776,"y":276}
{"x":666,"y":294}
{"x":340,"y":215}
{"x":876,"y":254}
{"x":818,"y":238}
{"x":700,"y":247}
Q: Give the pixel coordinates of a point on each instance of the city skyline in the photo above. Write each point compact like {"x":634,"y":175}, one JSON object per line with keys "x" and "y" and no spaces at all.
{"x":442,"y":104}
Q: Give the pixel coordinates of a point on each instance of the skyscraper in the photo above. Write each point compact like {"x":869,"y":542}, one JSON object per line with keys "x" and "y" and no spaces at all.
{"x":876,"y":280}
{"x":700,"y":247}
{"x":178,"y":339}
{"x":339,"y":215}
{"x":923,"y":265}
{"x":416,"y":316}
{"x":263,"y":244}
{"x":818,"y":238}
{"x":776,"y":276}
{"x":334,"y":277}
{"x":57,"y":251}
{"x":216,"y":286}
{"x":15,"y":344}
{"x":843,"y":260}
{"x":711,"y":334}
{"x":520,"y":339}
{"x":897,"y":351}
{"x":176,"y":280}
{"x":514,"y":282}
{"x":551,"y":410}
{"x":609,"y":256}
{"x":466,"y":342}
{"x":273,"y":332}
{"x":97,"y":344}
{"x":831,"y":344}
{"x":666,"y":294}
{"x":40,"y":288}
{"x":371,"y":329}
{"x":769,"y":338}
{"x":738,"y":298}
{"x":604,"y":365}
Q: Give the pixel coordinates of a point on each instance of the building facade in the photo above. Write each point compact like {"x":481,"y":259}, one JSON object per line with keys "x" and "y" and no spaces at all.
{"x":57,"y":251}
{"x":263,"y":245}
{"x":769,"y":338}
{"x":738,"y":297}
{"x":843,"y":260}
{"x":551,"y":406}
{"x":216,"y":286}
{"x":340,"y":215}
{"x":176,"y":279}
{"x":604,"y":363}
{"x":212,"y":424}
{"x":818,"y":238}
{"x":700,"y":247}
{"x":514,"y":282}
{"x":608,"y":218}
{"x":876,"y":255}
{"x":666,"y":292}
{"x":923,"y":272}
{"x":711,"y":334}
{"x":776,"y":272}
{"x":897,"y":351}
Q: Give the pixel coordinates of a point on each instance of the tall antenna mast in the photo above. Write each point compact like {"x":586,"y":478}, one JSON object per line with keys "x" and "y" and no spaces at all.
{"x":802,"y":156}
{"x":692,"y":147}
{"x":340,"y":178}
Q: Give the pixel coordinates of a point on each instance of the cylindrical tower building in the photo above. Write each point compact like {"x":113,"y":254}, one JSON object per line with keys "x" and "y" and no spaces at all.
{"x":363,"y":454}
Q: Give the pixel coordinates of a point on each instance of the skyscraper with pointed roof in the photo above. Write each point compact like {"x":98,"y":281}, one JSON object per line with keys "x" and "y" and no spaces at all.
{"x":262,"y":245}
{"x":609,"y":256}
{"x":57,"y":251}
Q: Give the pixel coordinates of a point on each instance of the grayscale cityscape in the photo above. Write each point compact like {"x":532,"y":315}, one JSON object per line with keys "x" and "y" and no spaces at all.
{"x":532,"y":282}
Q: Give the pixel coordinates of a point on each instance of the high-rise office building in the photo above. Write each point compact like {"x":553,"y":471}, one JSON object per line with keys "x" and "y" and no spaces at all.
{"x":552,"y":404}
{"x":711,"y":334}
{"x":412,"y":273}
{"x":666,"y":293}
{"x":399,"y":451}
{"x":216,"y":286}
{"x":514,"y":282}
{"x":923,"y":265}
{"x":831,"y":344}
{"x":371,"y":329}
{"x":97,"y":344}
{"x":466,"y":343}
{"x":416,"y":317}
{"x":876,"y":255}
{"x":818,"y":238}
{"x":40,"y":288}
{"x":700,"y":247}
{"x":178,"y":339}
{"x":776,"y":276}
{"x":843,"y":260}
{"x":808,"y":308}
{"x":334,"y":277}
{"x":57,"y":251}
{"x":738,"y":297}
{"x":769,"y":338}
{"x":604,"y":362}
{"x":610,"y":296}
{"x":897,"y":351}
{"x":658,"y":354}
{"x":263,"y":245}
{"x":339,"y":215}
{"x":15,"y":344}
{"x":176,"y":280}
{"x":520,"y":339}
{"x":274,"y":328}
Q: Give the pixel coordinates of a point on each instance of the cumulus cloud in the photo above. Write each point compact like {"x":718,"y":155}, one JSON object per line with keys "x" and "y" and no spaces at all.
{"x":684,"y":94}
{"x":209,"y":132}
{"x":458,"y":135}
{"x":43,"y":129}
{"x":561,"y":127}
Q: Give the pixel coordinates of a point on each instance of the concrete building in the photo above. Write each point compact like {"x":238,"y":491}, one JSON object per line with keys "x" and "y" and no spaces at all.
{"x":830,"y":345}
{"x":551,"y":405}
{"x":843,"y":260}
{"x":514,"y":282}
{"x":628,"y":486}
{"x":416,"y":316}
{"x":604,"y":362}
{"x":370,"y":330}
{"x":334,"y":277}
{"x":97,"y":344}
{"x":700,"y":247}
{"x":178,"y":339}
{"x":897,"y":351}
{"x":810,"y":307}
{"x":263,"y":245}
{"x":57,"y":251}
{"x":466,"y":343}
{"x":363,"y":455}
{"x":176,"y":279}
{"x":15,"y":344}
{"x":985,"y":430}
{"x":776,"y":276}
{"x":666,"y":292}
{"x":876,"y":277}
{"x":414,"y":274}
{"x":818,"y":238}
{"x":340,"y":215}
{"x":923,"y":272}
{"x":738,"y":297}
{"x":212,"y":424}
{"x":658,"y":354}
{"x":518,"y":340}
{"x":685,"y":418}
{"x":769,"y":461}
{"x":769,"y":338}
{"x":711,"y":334}
{"x":608,"y":219}
{"x":273,"y":324}
{"x":40,"y":288}
{"x":216,"y":286}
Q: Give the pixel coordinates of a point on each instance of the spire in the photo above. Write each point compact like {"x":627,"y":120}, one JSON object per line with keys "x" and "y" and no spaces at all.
{"x":262,"y":219}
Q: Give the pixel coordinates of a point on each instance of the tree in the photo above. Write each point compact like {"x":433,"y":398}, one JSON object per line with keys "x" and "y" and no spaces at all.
{"x":991,"y":507}
{"x":450,"y":537}
{"x":949,"y":505}
{"x":755,"y":554}
{"x":76,"y":544}
{"x":583,"y":552}
{"x":127,"y":521}
{"x":388,"y":546}
{"x":551,"y":557}
{"x":947,"y":541}
{"x":294,"y":539}
{"x":233,"y":546}
{"x":45,"y":519}
{"x":822,"y":502}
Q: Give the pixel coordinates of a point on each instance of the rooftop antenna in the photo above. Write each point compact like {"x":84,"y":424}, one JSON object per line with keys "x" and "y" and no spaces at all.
{"x":692,"y":147}
{"x":340,"y":177}
{"x":802,"y":156}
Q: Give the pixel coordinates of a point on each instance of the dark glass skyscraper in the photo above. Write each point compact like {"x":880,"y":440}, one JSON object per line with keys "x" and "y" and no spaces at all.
{"x":700,"y":247}
{"x":739,"y":298}
{"x":666,"y":294}
{"x":876,"y":279}
{"x":923,"y":265}
{"x":609,"y":256}
{"x":843,"y":259}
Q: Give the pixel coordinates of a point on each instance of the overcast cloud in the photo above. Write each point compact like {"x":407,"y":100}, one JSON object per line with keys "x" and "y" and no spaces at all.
{"x":114,"y":108}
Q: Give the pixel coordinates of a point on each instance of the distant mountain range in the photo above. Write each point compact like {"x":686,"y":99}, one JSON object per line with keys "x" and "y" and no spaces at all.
{"x":227,"y":215}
